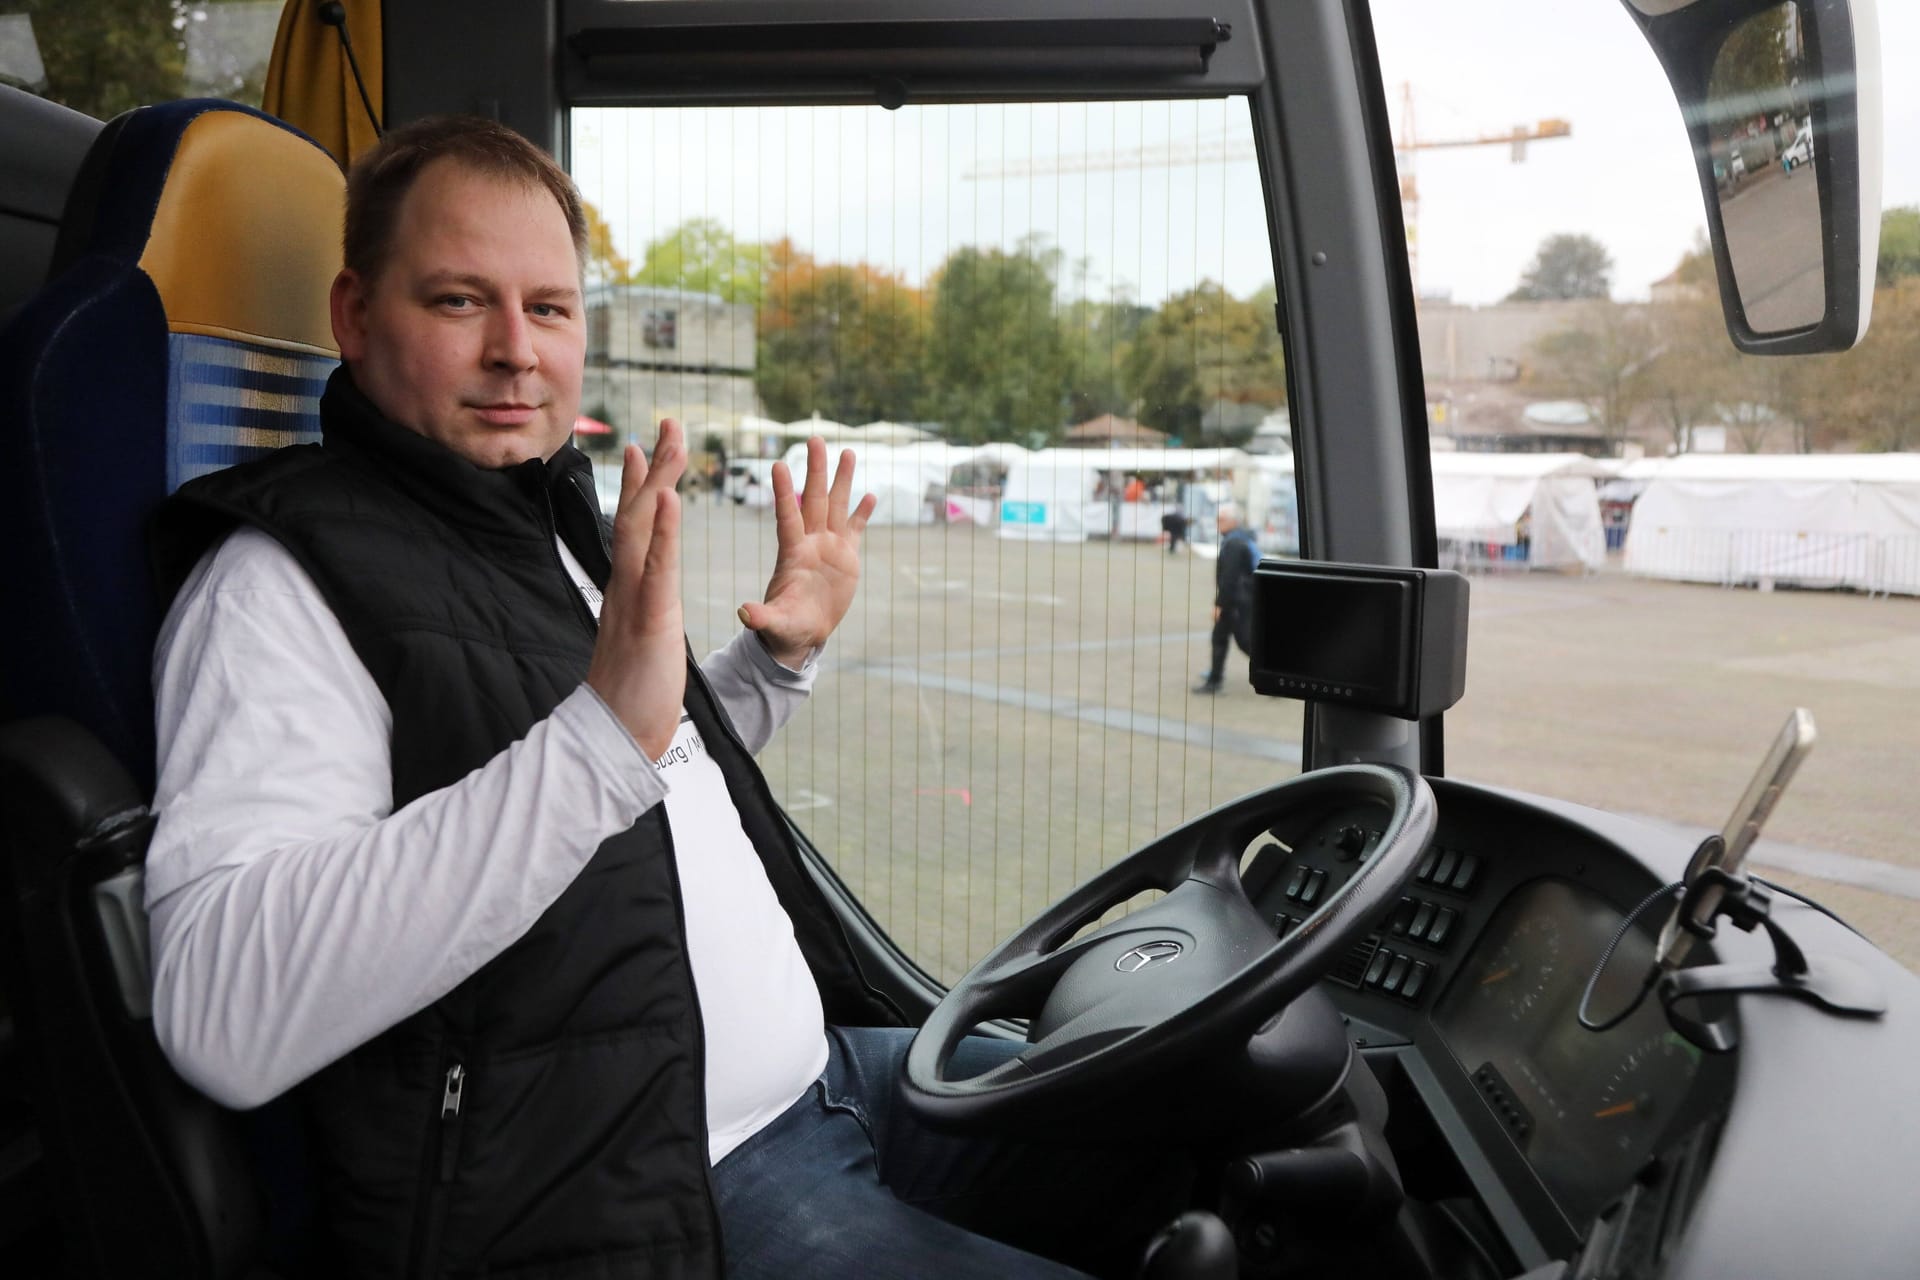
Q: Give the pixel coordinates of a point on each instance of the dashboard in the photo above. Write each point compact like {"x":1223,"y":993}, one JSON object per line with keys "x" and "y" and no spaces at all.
{"x":1470,"y":986}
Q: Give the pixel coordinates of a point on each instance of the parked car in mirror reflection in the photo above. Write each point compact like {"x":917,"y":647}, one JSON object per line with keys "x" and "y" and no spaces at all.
{"x":1800,"y":150}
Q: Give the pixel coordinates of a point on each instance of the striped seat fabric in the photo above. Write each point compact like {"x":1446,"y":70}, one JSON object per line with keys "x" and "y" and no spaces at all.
{"x":229,"y":401}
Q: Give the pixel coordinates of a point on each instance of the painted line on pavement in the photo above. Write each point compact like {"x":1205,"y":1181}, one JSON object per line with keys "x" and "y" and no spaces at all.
{"x":1203,"y":736}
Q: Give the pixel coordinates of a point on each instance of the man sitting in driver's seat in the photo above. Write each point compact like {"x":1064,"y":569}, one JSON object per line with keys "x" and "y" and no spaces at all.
{"x":456,"y":843}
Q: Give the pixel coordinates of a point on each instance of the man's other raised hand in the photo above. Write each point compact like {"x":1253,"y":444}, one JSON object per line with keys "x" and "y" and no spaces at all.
{"x":817,"y":566}
{"x":640,"y":659}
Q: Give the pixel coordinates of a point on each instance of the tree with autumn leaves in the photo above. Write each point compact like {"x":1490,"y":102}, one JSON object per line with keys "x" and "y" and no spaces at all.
{"x":848,"y":341}
{"x":989,"y":347}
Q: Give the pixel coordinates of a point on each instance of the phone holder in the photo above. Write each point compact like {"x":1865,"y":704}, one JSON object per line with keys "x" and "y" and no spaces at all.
{"x":1834,"y":984}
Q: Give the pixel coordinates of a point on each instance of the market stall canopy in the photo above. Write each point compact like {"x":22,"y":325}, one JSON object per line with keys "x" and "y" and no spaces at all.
{"x":1110,"y":430}
{"x":585,"y":426}
{"x":1051,"y":495}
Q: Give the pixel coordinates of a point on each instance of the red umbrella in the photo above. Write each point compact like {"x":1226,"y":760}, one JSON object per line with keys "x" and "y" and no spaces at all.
{"x":585,"y":426}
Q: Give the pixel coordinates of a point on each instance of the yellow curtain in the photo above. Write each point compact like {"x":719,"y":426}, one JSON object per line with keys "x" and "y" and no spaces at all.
{"x":309,"y":84}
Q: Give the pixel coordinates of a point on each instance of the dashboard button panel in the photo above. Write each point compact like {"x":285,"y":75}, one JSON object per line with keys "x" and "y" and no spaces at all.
{"x":1403,"y":959}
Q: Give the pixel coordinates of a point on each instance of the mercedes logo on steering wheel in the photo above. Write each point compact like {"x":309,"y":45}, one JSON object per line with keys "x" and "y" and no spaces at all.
{"x":1149,"y":954}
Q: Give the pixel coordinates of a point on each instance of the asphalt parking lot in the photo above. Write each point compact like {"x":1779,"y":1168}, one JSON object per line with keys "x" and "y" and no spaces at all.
{"x":998,"y":720}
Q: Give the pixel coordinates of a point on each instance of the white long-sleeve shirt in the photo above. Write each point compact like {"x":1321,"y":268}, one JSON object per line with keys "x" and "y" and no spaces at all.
{"x":295,"y":915}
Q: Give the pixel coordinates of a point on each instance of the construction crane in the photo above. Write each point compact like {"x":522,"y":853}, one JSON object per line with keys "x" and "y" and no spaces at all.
{"x":1411,"y":142}
{"x":1219,"y":149}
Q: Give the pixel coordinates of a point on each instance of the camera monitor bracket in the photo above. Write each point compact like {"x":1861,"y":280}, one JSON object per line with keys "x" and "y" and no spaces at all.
{"x":1361,"y":636}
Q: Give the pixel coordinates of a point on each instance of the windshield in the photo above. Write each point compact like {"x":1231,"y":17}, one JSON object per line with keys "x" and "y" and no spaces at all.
{"x":1671,"y":545}
{"x":1048,"y":331}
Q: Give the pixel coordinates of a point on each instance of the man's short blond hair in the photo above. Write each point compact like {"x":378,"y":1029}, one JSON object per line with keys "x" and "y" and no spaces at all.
{"x":378,"y":183}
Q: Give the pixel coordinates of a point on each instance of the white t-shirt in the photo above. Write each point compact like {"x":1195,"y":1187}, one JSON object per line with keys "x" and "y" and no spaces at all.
{"x":295,"y":915}
{"x":758,"y":1001}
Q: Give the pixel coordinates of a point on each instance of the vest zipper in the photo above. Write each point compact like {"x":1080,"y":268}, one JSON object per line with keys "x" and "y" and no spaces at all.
{"x":450,"y":1099}
{"x":443,"y":1162}
{"x":700,"y":1050}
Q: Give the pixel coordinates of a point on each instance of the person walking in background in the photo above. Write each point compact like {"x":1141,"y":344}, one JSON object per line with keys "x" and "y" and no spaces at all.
{"x":1232,"y":592}
{"x":1174,"y":525}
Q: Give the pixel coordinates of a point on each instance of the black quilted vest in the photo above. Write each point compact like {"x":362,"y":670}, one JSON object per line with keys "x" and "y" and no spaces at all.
{"x":578,"y":1144}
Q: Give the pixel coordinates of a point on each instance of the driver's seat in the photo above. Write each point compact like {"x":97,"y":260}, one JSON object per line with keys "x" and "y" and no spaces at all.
{"x":183,"y":328}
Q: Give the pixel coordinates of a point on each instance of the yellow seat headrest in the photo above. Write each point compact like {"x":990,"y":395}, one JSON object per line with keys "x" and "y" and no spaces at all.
{"x":245,"y":241}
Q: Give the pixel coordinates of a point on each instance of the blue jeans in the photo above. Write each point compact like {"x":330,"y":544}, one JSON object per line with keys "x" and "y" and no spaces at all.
{"x":846,"y":1182}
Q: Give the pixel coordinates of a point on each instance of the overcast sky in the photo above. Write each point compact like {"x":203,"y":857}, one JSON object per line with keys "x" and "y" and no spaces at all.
{"x":1625,"y":176}
{"x":901,"y":189}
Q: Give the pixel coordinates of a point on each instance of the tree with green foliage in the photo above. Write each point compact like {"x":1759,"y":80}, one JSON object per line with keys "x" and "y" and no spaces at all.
{"x":1751,"y":72}
{"x":847,"y":340}
{"x":1098,"y":336}
{"x":1203,"y":346}
{"x":108,"y":56}
{"x":703,"y":256}
{"x":1566,"y":266}
{"x":998,"y":360}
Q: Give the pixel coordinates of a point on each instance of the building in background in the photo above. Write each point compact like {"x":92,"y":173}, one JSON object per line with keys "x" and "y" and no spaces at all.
{"x":1475,"y":360}
{"x":654,"y":353}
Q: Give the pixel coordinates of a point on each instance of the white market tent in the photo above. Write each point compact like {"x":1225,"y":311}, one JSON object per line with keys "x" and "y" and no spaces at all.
{"x":1814,"y":520}
{"x":1049,"y":495}
{"x":1272,"y":505}
{"x":884,"y":432}
{"x":901,"y":477}
{"x":826,"y":428}
{"x":1478,"y":498}
{"x":1481,"y":497}
{"x":1003,"y":454}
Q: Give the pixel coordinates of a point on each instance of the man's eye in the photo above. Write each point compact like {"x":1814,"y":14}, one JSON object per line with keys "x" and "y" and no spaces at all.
{"x":456,"y":302}
{"x":545,"y":310}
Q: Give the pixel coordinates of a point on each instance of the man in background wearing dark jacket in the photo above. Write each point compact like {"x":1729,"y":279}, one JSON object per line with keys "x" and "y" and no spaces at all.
{"x":1232,"y":592}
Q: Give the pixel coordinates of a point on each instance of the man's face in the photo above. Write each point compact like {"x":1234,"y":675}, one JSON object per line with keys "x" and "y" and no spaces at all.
{"x":474,"y":333}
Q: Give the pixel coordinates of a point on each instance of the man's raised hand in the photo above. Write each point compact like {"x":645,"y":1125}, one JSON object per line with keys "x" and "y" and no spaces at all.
{"x":817,"y":566}
{"x":640,"y":660}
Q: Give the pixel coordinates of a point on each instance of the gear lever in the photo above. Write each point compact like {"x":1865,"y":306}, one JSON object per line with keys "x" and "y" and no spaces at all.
{"x":1194,"y":1246}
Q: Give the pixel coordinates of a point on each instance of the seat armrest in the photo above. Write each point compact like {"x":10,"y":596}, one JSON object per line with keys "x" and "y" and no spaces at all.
{"x":121,"y":901}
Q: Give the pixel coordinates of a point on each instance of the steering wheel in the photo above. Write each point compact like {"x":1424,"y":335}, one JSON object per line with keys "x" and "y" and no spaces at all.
{"x":1195,"y":969}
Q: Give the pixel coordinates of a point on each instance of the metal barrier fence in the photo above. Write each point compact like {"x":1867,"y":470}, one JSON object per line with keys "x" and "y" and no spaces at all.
{"x":1879,"y":564}
{"x":1473,"y":557}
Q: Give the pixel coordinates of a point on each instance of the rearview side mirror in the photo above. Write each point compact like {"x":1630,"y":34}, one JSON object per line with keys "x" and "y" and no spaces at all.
{"x":1781,"y":100}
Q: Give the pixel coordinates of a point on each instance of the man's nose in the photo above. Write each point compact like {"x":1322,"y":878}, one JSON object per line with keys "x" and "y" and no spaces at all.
{"x":509,"y":341}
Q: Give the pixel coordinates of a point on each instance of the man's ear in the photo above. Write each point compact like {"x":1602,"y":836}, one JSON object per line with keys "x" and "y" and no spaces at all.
{"x":347,"y":304}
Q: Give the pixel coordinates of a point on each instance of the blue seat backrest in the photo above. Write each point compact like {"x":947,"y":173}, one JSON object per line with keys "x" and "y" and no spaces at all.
{"x":184,"y":328}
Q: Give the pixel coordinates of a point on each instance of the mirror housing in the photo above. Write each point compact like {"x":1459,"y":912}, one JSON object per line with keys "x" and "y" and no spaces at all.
{"x":1842,"y":55}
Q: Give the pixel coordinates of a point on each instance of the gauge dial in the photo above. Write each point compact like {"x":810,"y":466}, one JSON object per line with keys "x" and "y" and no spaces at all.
{"x":1517,"y":977}
{"x":1646,"y":1085}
